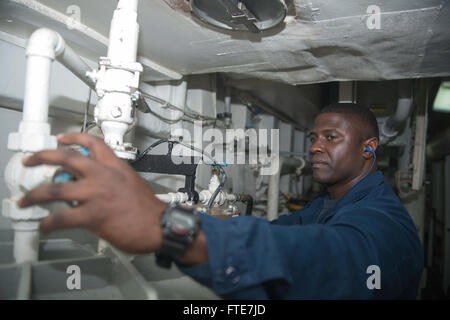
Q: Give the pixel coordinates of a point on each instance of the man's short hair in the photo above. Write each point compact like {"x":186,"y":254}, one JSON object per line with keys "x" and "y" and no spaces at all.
{"x":362,"y":113}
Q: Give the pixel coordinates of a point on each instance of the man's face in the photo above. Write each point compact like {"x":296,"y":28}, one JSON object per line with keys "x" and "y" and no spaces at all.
{"x":336,"y":150}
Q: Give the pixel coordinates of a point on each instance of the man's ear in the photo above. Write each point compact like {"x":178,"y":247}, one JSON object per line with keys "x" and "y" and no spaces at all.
{"x":371,"y":143}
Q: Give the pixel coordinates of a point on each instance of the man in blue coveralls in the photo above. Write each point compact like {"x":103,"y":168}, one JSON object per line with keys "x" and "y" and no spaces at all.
{"x":355,"y":242}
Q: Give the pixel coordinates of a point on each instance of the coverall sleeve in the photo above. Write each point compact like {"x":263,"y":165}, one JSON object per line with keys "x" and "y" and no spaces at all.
{"x":250,"y":258}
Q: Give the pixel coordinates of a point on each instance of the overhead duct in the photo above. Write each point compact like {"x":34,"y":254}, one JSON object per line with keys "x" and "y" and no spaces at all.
{"x":251,"y":15}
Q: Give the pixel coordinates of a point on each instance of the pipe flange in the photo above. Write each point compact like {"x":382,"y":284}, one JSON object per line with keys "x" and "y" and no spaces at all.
{"x":12,"y":211}
{"x":31,"y":142}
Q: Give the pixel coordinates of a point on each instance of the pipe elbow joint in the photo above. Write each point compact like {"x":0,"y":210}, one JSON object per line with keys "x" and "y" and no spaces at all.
{"x":45,"y":43}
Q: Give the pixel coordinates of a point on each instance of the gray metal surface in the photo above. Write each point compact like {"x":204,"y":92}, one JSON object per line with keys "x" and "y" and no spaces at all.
{"x":108,"y":275}
{"x":323,"y":41}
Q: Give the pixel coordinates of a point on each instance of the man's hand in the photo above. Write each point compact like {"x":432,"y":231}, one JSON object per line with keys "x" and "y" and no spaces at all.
{"x":114,"y":201}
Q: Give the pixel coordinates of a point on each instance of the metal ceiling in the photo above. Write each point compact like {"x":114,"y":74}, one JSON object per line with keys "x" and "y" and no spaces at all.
{"x":320,"y":41}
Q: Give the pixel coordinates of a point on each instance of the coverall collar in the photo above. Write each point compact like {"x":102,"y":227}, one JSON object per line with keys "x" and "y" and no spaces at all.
{"x":361,"y":188}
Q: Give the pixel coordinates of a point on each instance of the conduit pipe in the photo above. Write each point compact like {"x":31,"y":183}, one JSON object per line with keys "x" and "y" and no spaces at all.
{"x":285,"y":165}
{"x":391,"y":127}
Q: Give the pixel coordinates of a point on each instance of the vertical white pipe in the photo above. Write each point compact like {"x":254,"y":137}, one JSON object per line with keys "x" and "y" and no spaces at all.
{"x":128,"y":4}
{"x":34,"y":135}
{"x":273,"y":192}
{"x":285,"y":165}
{"x":124,"y":32}
{"x":114,"y":109}
{"x":26,"y":241}
{"x":35,"y":106}
{"x":26,"y":245}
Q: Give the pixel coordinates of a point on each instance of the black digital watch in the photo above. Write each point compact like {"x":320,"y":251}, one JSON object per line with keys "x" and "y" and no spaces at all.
{"x":179,"y":227}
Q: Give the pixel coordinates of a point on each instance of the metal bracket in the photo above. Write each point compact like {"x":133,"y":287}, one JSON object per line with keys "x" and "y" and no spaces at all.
{"x":240,"y":15}
{"x":186,"y":166}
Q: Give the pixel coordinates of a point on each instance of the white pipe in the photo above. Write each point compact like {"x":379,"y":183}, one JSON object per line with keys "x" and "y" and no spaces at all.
{"x":204,"y":196}
{"x":26,"y":241}
{"x":228,"y":107}
{"x":76,"y":65}
{"x":285,"y":165}
{"x":273,"y":192}
{"x":35,"y":108}
{"x":124,"y":32}
{"x":391,"y":127}
{"x":221,"y":198}
{"x":118,"y":78}
{"x":173,"y":197}
{"x":43,"y":47}
{"x":128,"y":4}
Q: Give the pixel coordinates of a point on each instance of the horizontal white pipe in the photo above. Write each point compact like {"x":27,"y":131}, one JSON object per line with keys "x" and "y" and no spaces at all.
{"x":173,"y":197}
{"x":204,"y":196}
{"x":285,"y":165}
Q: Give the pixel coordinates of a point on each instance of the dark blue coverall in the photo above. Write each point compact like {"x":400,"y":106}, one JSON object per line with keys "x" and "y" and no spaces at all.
{"x":298,"y":257}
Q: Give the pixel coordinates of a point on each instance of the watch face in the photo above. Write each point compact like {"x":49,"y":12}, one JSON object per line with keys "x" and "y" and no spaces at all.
{"x":180,"y":224}
{"x":181,"y":219}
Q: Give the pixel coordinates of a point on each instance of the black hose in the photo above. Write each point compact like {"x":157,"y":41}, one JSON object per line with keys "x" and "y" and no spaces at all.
{"x":141,"y":155}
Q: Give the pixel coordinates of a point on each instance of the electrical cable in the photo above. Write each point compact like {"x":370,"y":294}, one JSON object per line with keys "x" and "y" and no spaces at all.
{"x":86,"y":111}
{"x":193,"y":115}
{"x":203,"y":153}
{"x":373,"y":162}
{"x":147,"y":150}
{"x":221,"y":170}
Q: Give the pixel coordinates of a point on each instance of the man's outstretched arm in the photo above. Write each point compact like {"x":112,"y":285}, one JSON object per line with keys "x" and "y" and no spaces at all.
{"x":114,"y":201}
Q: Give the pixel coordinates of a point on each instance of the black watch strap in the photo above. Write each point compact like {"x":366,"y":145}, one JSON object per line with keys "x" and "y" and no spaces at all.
{"x":179,"y":227}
